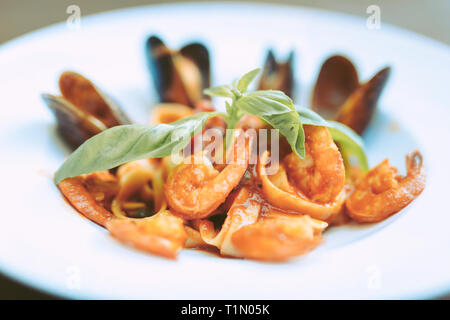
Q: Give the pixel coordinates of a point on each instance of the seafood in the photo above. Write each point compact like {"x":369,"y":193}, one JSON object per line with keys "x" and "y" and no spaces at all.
{"x":179,"y":76}
{"x":199,"y":191}
{"x":279,"y":192}
{"x":84,"y":200}
{"x":162,"y":234}
{"x":278,"y":237}
{"x":195,"y":188}
{"x":318,"y":181}
{"x":171,"y":112}
{"x":277,"y":75}
{"x":336,"y":81}
{"x":103,"y":185}
{"x":321,"y":175}
{"x":250,"y":231}
{"x":83,"y":110}
{"x":339,"y":96}
{"x":194,"y":239}
{"x":243,"y":211}
{"x":383,"y":192}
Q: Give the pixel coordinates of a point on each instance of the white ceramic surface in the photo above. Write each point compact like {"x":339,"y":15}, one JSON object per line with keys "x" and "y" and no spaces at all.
{"x":45,"y":244}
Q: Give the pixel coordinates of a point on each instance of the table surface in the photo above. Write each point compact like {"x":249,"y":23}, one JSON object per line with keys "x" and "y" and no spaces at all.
{"x":429,"y":18}
{"x":12,"y":290}
{"x":20,"y":16}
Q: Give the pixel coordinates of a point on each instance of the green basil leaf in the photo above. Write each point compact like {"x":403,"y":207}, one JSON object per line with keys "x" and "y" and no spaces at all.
{"x":349,"y":141}
{"x":275,"y":95}
{"x":276,"y":108}
{"x":122,"y":144}
{"x":246,"y":79}
{"x":310,"y":117}
{"x":220,"y":91}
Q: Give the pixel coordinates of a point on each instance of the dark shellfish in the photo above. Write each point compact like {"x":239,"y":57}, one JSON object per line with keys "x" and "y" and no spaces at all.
{"x":339,"y":96}
{"x":83,"y":110}
{"x":179,"y":76}
{"x":278,"y":75}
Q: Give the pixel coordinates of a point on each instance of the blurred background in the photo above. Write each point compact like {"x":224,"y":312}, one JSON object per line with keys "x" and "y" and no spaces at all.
{"x":18,"y":17}
{"x":429,"y":18}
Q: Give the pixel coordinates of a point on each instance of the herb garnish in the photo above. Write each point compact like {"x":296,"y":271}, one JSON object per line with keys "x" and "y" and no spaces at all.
{"x":122,"y":144}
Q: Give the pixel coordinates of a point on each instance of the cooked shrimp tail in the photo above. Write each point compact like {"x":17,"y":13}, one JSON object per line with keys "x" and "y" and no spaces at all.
{"x":162,"y":234}
{"x":279,"y":238}
{"x":313,"y":185}
{"x":77,"y":193}
{"x":384,"y":192}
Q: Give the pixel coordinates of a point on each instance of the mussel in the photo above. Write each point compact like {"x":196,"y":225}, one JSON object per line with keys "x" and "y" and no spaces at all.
{"x":179,"y":76}
{"x":83,"y":110}
{"x":277,"y":75}
{"x":338,"y":94}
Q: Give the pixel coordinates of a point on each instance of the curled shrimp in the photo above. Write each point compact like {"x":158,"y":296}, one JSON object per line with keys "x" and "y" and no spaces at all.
{"x":88,"y":192}
{"x":383,"y":192}
{"x":161,"y":234}
{"x":244,"y":210}
{"x":195,"y":188}
{"x":278,"y":237}
{"x":318,"y":180}
{"x":321,"y":174}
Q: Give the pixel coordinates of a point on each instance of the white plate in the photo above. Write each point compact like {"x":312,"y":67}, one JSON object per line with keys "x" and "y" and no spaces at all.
{"x":45,"y":244}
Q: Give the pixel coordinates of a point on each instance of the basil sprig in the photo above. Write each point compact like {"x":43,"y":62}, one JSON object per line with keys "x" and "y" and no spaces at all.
{"x":272,"y":106}
{"x":122,"y":144}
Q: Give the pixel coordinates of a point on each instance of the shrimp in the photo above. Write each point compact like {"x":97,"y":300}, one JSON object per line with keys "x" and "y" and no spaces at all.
{"x":278,"y":237}
{"x":321,"y":174}
{"x":77,"y":193}
{"x":315,"y":185}
{"x":244,"y":210}
{"x":162,"y":234}
{"x":383,"y":192}
{"x":279,"y":192}
{"x":270,"y":236}
{"x":103,"y":185}
{"x":195,"y":189}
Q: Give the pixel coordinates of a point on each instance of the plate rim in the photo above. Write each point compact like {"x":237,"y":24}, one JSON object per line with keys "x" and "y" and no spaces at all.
{"x":42,"y":285}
